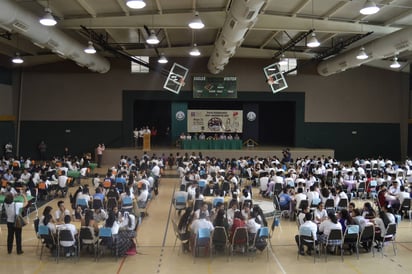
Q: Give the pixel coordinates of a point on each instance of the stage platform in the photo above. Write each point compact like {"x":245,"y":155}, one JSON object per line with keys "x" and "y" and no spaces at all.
{"x":111,"y":156}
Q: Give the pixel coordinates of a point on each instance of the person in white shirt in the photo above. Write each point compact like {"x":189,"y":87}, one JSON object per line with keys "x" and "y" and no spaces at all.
{"x":253,"y":225}
{"x":320,"y":213}
{"x":313,"y":227}
{"x":201,"y":223}
{"x":61,"y":212}
{"x":327,"y":225}
{"x":62,"y":183}
{"x":25,"y":177}
{"x":299,"y":197}
{"x":72,"y":228}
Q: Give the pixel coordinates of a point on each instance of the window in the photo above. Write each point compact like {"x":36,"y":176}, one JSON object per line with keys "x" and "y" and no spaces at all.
{"x":138,"y":68}
{"x":291,"y":64}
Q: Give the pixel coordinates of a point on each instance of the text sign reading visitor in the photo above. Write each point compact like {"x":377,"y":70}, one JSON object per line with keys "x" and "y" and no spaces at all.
{"x":214,"y":87}
{"x":209,"y":121}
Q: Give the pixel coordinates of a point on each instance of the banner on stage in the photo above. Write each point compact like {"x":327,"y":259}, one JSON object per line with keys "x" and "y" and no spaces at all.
{"x":212,"y":121}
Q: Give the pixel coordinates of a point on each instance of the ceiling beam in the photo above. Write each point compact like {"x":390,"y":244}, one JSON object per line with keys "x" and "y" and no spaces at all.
{"x":123,"y":6}
{"x":299,"y":7}
{"x":333,"y":10}
{"x":87,"y":8}
{"x":269,"y":39}
{"x":214,"y":20}
{"x":401,"y":16}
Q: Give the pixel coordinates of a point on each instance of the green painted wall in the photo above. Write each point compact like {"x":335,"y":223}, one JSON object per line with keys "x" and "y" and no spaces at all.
{"x":79,"y":136}
{"x":350,"y":140}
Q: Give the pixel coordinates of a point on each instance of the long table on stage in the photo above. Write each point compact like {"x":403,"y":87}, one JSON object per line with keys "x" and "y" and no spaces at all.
{"x":212,"y":144}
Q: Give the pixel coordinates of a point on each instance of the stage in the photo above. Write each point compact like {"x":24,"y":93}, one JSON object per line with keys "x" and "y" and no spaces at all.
{"x":111,"y":156}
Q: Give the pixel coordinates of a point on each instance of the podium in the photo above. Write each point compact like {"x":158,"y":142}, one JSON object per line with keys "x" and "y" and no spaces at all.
{"x":146,"y":141}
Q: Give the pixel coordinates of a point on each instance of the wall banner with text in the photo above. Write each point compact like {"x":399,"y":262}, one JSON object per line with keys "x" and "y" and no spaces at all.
{"x":212,"y":121}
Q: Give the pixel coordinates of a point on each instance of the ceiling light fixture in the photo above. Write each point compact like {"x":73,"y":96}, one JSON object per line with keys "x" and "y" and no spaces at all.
{"x":162,"y":59}
{"x":196,"y":22}
{"x":362,"y":55}
{"x":283,"y":61}
{"x":136,"y":4}
{"x":195,"y":51}
{"x":90,"y":48}
{"x":48,"y":19}
{"x":152,"y":39}
{"x":313,"y":41}
{"x":369,"y":8}
{"x":17,"y":59}
{"x":395,"y":64}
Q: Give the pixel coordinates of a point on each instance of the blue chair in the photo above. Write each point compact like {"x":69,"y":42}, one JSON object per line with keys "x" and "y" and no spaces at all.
{"x":261,"y":240}
{"x":46,"y":237}
{"x":217,"y":200}
{"x":202,"y":240}
{"x":202,"y":184}
{"x":82,"y":203}
{"x":127,"y":204}
{"x":180,"y":202}
{"x":105,"y":235}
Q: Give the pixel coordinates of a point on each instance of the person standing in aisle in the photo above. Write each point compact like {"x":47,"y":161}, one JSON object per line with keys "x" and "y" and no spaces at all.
{"x":12,"y":209}
{"x":99,"y":151}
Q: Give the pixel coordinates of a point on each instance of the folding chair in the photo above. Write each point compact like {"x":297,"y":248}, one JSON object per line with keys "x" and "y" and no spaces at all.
{"x":220,"y":239}
{"x":367,"y":237}
{"x":307,"y":238}
{"x":64,"y":237}
{"x":180,"y":203}
{"x":47,"y":238}
{"x":360,"y":191}
{"x":127,"y":204}
{"x":261,"y":240}
{"x":178,"y":236}
{"x":334,"y":239}
{"x":105,"y":235}
{"x":88,"y":238}
{"x":343,"y":204}
{"x":351,"y":238}
{"x":240,"y":241}
{"x":82,"y":203}
{"x":390,"y":236}
{"x":202,"y":240}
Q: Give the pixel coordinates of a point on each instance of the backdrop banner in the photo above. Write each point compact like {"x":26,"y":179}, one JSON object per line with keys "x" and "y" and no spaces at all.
{"x":212,"y":121}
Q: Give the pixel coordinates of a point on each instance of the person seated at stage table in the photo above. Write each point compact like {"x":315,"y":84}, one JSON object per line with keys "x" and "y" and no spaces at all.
{"x":229,"y":137}
{"x":202,"y":136}
{"x":182,"y":136}
{"x":188,"y":136}
{"x":222,"y":136}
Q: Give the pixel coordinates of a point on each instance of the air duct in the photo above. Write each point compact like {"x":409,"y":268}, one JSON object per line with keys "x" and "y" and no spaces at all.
{"x":14,"y":17}
{"x":240,"y":18}
{"x":380,"y":48}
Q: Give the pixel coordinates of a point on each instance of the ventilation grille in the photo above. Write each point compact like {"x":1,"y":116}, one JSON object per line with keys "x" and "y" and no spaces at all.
{"x":20,"y":26}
